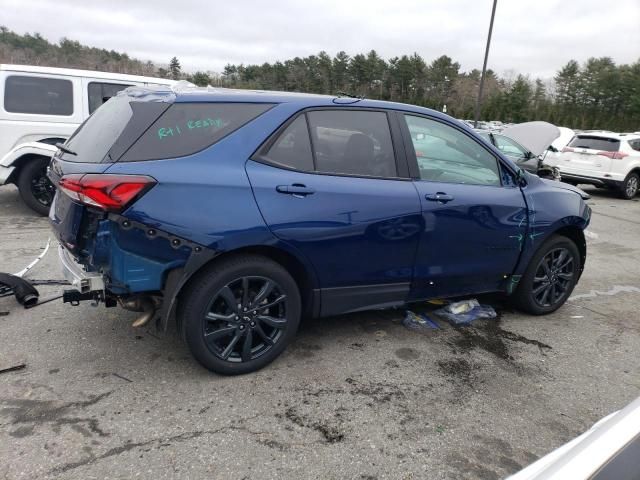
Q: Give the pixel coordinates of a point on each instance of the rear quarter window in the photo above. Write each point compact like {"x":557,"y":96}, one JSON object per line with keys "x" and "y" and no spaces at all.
{"x":38,"y":95}
{"x":187,"y":128}
{"x":602,"y":144}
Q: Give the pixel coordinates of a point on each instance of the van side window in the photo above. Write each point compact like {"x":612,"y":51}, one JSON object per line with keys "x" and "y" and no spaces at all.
{"x":101,"y":92}
{"x":38,"y":95}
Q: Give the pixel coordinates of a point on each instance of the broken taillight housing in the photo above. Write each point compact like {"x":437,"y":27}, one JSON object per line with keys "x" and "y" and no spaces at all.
{"x":112,"y":193}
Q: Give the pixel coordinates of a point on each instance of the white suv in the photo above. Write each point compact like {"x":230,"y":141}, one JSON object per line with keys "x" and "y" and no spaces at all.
{"x":42,"y":106}
{"x":603,"y":159}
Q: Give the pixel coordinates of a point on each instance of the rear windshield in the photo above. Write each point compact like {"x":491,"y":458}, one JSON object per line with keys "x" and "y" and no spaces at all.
{"x":602,"y":144}
{"x":93,"y":141}
{"x":125,"y":130}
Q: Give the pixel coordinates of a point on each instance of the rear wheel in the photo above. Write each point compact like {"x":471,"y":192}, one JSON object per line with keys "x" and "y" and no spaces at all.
{"x":34,"y":186}
{"x":240,"y":314}
{"x":630,"y":186}
{"x":550,"y":278}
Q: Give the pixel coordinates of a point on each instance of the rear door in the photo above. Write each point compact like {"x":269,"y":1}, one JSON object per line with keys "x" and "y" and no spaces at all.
{"x":589,"y":155}
{"x":474,"y":215}
{"x":329,"y":184}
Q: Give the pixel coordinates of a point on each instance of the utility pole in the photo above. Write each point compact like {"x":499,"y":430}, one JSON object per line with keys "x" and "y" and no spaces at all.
{"x":484,"y":66}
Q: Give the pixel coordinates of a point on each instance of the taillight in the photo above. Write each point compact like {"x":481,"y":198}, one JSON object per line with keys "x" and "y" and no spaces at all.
{"x":613,"y":155}
{"x":108,"y":192}
{"x":567,"y":149}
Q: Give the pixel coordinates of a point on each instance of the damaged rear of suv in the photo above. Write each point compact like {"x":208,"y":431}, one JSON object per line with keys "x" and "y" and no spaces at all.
{"x":233,"y":214}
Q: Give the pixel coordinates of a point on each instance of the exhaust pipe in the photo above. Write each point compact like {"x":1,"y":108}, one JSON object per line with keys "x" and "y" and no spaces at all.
{"x":146,"y":305}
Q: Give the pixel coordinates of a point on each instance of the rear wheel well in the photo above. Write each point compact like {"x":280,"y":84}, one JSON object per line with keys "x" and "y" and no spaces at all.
{"x":288,"y":261}
{"x":20,"y":162}
{"x":575,"y":234}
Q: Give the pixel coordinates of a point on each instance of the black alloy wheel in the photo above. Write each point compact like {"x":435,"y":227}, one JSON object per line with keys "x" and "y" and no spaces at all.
{"x":550,"y":278}
{"x":34,"y":186}
{"x":240,"y":313}
{"x":245,"y":319}
{"x":553,"y":278}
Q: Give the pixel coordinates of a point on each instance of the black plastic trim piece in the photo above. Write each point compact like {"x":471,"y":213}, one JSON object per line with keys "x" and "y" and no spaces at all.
{"x":339,"y":300}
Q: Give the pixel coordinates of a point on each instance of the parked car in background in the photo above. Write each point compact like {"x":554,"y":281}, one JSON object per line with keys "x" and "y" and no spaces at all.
{"x":42,"y":106}
{"x":603,"y":159}
{"x":609,"y":450}
{"x":538,"y":136}
{"x":238,"y":212}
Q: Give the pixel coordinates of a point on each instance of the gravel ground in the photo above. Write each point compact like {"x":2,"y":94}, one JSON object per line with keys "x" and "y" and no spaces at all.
{"x":357,"y":396}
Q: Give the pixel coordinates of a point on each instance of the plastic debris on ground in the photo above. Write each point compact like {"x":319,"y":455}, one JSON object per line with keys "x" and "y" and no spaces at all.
{"x":465,"y":312}
{"x":419,"y":321}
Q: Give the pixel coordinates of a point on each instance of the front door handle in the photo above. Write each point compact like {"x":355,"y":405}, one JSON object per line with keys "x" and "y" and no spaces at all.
{"x":438,"y":197}
{"x":295,"y":189}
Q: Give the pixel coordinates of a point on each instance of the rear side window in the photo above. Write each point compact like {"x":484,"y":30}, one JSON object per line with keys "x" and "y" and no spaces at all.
{"x":38,"y":95}
{"x":101,"y":92}
{"x":352,"y":142}
{"x":292,"y":148}
{"x":602,"y":144}
{"x":187,"y":128}
{"x":635,"y":144}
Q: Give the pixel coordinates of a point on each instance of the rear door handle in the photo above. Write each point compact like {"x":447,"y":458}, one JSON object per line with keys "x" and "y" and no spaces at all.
{"x":438,"y":197}
{"x":295,"y":189}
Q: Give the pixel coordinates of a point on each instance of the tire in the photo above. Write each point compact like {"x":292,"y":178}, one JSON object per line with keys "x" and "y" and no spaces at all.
{"x":214,"y":291}
{"x":630,"y":186}
{"x":528,"y":297}
{"x":35,"y":188}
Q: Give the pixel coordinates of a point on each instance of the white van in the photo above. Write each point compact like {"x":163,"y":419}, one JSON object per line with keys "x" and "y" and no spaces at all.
{"x":42,"y":106}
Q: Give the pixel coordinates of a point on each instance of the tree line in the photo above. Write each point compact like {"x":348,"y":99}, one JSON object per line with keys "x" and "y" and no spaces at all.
{"x":597,"y":94}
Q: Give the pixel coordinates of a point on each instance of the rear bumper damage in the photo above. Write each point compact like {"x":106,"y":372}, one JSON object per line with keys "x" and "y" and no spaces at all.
{"x":144,"y":281}
{"x":83,"y":282}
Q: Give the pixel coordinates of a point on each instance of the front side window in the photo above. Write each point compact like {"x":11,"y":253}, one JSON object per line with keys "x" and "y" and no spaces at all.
{"x":38,"y":95}
{"x":352,"y":142}
{"x":445,"y":154}
{"x":101,"y":92}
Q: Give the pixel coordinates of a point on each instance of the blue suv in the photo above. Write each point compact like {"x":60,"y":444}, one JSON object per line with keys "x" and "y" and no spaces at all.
{"x":234,"y":214}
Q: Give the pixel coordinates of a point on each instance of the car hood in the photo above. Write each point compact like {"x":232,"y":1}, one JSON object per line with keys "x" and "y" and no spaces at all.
{"x":566,"y":186}
{"x":534,"y":136}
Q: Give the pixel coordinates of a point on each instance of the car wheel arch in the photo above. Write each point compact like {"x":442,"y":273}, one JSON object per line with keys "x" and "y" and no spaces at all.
{"x":301,"y":272}
{"x":20,"y":162}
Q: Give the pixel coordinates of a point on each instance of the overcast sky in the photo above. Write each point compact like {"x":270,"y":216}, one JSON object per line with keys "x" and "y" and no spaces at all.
{"x":530,"y":36}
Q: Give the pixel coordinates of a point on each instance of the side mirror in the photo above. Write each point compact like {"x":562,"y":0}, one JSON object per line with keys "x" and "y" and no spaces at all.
{"x":521,"y":178}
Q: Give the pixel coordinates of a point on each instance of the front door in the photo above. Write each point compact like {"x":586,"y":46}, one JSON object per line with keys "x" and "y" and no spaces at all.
{"x":329,"y":185}
{"x":475,"y":216}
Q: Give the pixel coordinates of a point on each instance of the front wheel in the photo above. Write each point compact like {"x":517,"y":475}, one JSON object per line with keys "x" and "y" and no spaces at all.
{"x":240,"y":314}
{"x":630,"y":186}
{"x":550,"y":277}
{"x":34,"y":186}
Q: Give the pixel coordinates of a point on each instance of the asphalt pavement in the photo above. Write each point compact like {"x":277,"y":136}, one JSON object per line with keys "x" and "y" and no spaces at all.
{"x":355,"y":397}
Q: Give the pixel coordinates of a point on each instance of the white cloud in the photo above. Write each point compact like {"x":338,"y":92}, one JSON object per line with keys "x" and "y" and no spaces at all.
{"x":532,"y":37}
